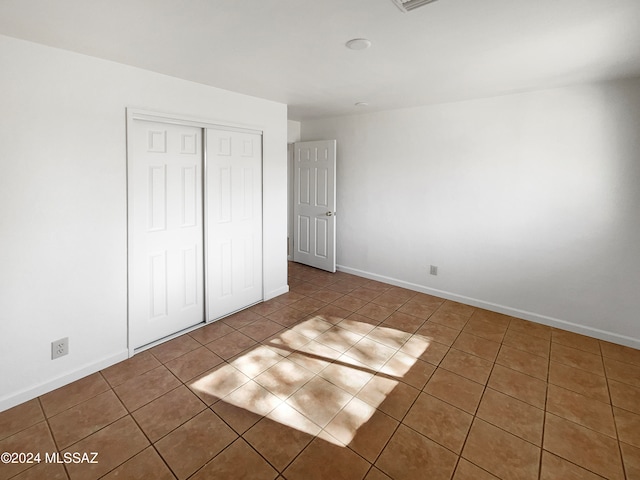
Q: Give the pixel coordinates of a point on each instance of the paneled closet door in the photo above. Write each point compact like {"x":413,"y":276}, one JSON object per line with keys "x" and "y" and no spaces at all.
{"x":166,"y":231}
{"x":234,"y":221}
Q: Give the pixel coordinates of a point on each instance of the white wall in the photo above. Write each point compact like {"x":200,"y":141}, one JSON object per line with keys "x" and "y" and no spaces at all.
{"x":528,"y":203}
{"x":293,"y":131}
{"x":63,"y":223}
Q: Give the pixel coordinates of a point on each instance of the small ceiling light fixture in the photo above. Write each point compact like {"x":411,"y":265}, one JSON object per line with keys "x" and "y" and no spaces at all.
{"x":362,"y":104}
{"x":358,"y":44}
{"x":408,"y":5}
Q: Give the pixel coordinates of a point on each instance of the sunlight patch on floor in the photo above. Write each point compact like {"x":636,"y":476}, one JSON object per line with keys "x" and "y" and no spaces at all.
{"x":293,"y":378}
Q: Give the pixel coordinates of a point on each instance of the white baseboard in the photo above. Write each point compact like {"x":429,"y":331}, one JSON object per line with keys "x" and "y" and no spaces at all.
{"x":513,"y":312}
{"x":276,"y":293}
{"x":27,"y":394}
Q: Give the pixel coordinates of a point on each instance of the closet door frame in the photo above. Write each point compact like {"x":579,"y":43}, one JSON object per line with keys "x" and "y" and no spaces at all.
{"x":133,"y":114}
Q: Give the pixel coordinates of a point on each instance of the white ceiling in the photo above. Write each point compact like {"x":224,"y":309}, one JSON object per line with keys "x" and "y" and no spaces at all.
{"x":292,"y":51}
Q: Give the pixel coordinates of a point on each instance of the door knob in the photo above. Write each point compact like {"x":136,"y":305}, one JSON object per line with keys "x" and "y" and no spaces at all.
{"x":329,"y":214}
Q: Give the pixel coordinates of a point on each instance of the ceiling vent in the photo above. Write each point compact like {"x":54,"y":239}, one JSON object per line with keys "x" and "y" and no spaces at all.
{"x":408,"y":5}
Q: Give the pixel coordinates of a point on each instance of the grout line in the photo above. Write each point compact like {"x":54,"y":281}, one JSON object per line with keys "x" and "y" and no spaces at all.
{"x":544,"y":417}
{"x":151,"y":443}
{"x":278,"y":472}
{"x":22,"y":429}
{"x":55,"y":443}
{"x":615,"y":426}
{"x":466,"y":438}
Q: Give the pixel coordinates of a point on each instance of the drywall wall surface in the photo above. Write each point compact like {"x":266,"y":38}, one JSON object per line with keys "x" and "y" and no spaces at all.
{"x":63,"y":207}
{"x":293,"y":131}
{"x":527,"y":203}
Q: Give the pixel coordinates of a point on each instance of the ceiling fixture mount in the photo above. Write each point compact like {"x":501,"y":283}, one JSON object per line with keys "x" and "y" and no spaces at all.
{"x":362,"y":104}
{"x":408,"y":5}
{"x":358,"y":44}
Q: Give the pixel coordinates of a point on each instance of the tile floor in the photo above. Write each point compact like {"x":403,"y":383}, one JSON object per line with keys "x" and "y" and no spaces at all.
{"x":347,"y":378}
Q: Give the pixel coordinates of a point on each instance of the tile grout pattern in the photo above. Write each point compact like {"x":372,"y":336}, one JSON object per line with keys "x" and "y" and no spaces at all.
{"x":347,"y":378}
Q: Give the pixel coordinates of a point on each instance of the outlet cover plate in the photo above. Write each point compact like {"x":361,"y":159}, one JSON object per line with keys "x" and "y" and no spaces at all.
{"x":59,"y":348}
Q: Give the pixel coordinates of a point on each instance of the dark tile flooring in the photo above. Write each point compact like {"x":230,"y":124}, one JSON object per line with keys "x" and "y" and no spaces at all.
{"x":347,"y":378}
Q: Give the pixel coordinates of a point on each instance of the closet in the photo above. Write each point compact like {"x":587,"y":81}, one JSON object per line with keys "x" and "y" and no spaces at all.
{"x":194,"y":224}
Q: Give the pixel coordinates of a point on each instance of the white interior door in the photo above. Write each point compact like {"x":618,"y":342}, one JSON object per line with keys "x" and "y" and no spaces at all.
{"x":314,"y":205}
{"x":165,"y":230}
{"x":234,"y":221}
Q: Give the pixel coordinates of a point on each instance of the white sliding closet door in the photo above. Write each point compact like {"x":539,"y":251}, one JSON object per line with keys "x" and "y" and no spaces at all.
{"x":234,"y":221}
{"x":166,"y":284}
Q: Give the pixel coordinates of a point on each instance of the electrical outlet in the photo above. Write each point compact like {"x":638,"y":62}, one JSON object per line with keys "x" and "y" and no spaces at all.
{"x":59,"y":348}
{"x":433,"y":270}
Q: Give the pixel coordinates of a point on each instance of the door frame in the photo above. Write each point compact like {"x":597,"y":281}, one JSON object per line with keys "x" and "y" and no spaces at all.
{"x":133,"y":114}
{"x":290,"y":180}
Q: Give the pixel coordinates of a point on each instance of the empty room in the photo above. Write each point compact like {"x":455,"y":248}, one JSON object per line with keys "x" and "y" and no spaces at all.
{"x":312,"y":239}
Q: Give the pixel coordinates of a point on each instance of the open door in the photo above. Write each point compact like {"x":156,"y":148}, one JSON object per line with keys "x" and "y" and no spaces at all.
{"x":314,"y":204}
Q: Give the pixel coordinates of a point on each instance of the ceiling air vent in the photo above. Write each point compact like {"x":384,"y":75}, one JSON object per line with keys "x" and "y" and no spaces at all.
{"x":408,"y":5}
